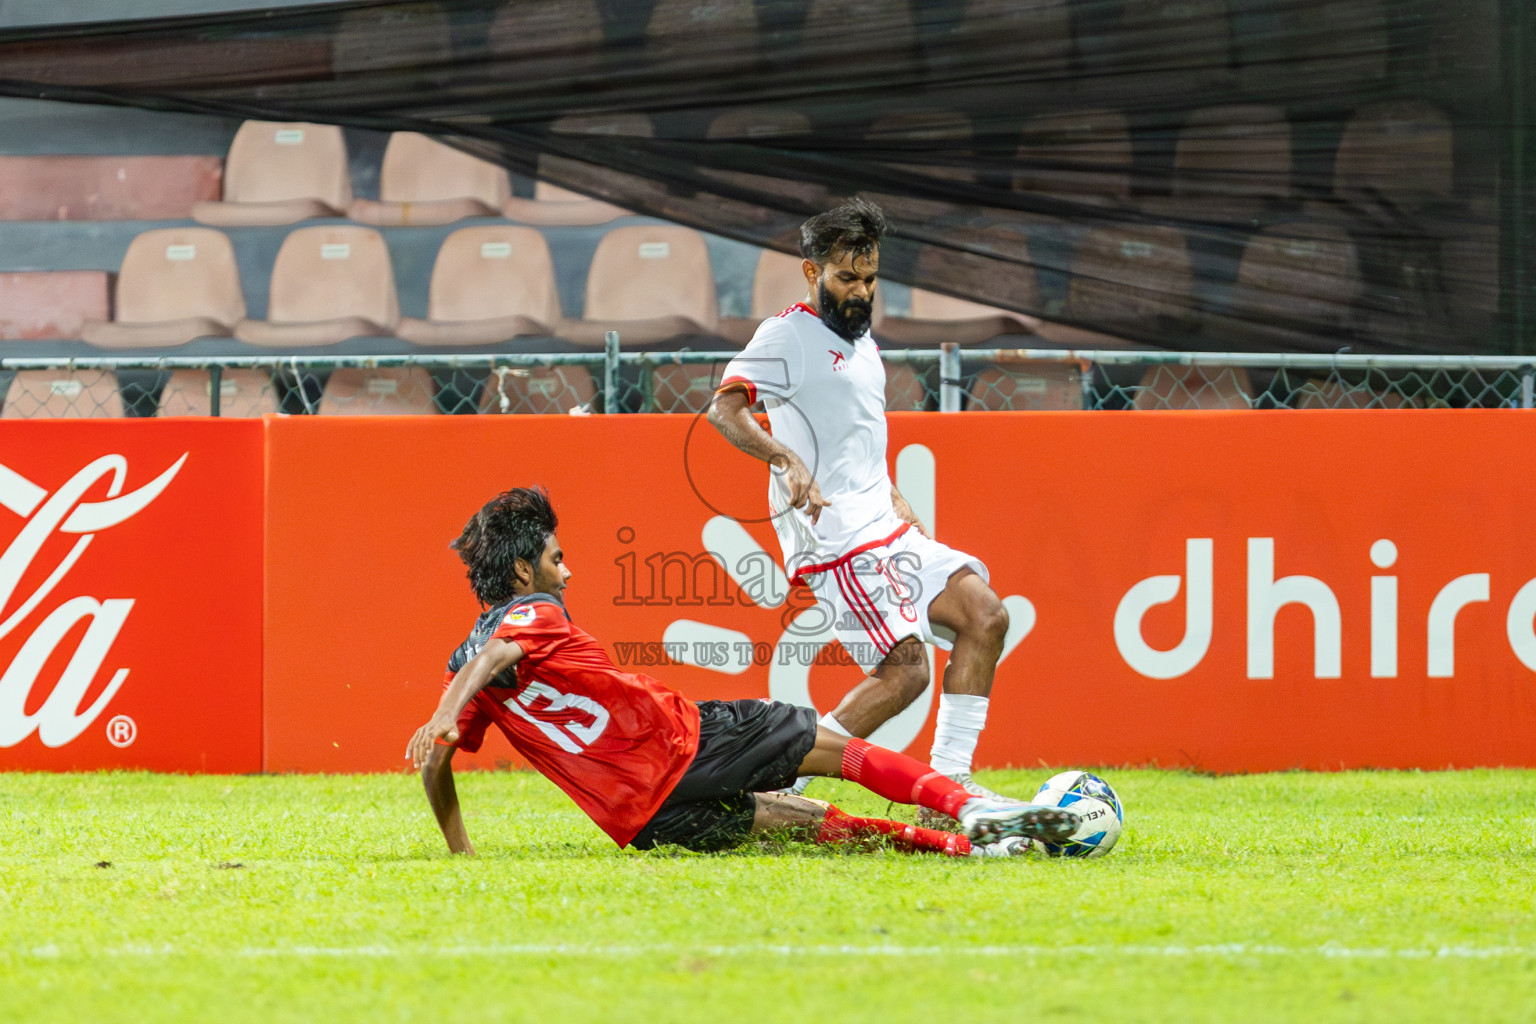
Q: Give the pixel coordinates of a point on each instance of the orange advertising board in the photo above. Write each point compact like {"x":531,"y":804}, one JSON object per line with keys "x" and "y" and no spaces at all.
{"x":130,"y":586}
{"x":1227,"y":591}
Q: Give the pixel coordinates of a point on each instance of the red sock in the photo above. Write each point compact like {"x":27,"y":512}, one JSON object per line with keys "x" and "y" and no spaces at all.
{"x":838,"y":827}
{"x":898,"y":777}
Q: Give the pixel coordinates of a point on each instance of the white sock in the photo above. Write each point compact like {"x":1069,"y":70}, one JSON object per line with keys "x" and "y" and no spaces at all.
{"x":831,"y":723}
{"x":961,"y":718}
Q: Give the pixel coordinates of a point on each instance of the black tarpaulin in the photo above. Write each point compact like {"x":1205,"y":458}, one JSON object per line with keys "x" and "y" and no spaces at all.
{"x":1196,"y":174}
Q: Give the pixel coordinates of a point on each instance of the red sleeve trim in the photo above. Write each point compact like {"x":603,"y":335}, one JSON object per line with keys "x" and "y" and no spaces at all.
{"x":799,"y":578}
{"x":738,"y":383}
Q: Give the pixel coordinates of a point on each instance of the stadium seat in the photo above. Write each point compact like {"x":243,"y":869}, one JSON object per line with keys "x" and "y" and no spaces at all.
{"x":280,"y":173}
{"x":1301,"y":273}
{"x":777,"y":284}
{"x":489,"y":284}
{"x":61,"y":394}
{"x":651,"y":284}
{"x":175,"y":284}
{"x":398,"y":36}
{"x":1167,"y":386}
{"x":552,"y":205}
{"x":522,"y":29}
{"x":904,"y":389}
{"x":392,"y":391}
{"x":242,"y":393}
{"x":423,"y":182}
{"x":1228,"y":163}
{"x":1284,"y":47}
{"x":328,"y":284}
{"x":1038,"y":33}
{"x":1084,"y":156}
{"x":1132,"y":280}
{"x":1027,"y":385}
{"x":36,"y":304}
{"x":942,"y":132}
{"x":880,"y":24}
{"x":1196,"y":30}
{"x":761,"y":126}
{"x":937,"y":318}
{"x":701,"y":18}
{"x":684,"y":387}
{"x":542,"y":389}
{"x":1333,"y":394}
{"x":106,"y":187}
{"x":1400,"y":151}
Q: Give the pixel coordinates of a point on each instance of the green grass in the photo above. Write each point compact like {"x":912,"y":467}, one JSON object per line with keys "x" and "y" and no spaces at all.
{"x":1293,"y":897}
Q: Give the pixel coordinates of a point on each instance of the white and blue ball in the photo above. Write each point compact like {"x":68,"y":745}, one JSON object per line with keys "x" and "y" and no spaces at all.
{"x":1093,"y":800}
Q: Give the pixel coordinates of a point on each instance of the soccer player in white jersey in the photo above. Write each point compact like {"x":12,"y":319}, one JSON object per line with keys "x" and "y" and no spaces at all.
{"x":846,"y":531}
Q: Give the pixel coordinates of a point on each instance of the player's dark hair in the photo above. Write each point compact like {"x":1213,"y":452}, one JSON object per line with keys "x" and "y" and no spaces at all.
{"x":855,"y":227}
{"x":515,"y":524}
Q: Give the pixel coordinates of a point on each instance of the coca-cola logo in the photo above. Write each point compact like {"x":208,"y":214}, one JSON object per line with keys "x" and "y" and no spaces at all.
{"x":60,"y":717}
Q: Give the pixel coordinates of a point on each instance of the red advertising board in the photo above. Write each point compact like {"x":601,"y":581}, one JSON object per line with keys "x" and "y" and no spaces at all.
{"x":1228,"y":591}
{"x":130,"y":612}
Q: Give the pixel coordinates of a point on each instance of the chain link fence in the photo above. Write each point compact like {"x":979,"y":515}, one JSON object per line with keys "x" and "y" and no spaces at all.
{"x":933,"y":380}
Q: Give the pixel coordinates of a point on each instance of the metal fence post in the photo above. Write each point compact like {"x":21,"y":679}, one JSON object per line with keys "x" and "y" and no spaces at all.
{"x":1527,"y":388}
{"x":950,"y":384}
{"x":215,"y":388}
{"x":611,"y":372}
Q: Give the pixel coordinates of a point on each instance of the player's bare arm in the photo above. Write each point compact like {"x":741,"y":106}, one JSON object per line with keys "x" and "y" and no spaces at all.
{"x":905,"y":514}
{"x":495,"y":658}
{"x":731,"y":414}
{"x":437,"y":777}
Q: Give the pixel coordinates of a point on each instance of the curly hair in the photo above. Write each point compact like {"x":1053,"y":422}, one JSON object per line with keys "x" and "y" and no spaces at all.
{"x":855,"y":227}
{"x":515,"y":524}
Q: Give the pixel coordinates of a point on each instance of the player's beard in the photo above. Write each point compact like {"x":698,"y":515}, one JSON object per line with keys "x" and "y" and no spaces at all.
{"x":848,"y":319}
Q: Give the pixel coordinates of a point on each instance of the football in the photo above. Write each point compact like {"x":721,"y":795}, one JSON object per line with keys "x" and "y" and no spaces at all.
{"x":1098,"y":804}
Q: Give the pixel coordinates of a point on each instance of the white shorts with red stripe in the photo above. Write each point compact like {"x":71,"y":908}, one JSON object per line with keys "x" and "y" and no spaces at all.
{"x":878,"y":596}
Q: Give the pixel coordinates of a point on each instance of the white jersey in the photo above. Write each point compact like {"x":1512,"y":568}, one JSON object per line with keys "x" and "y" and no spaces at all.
{"x":825,"y":399}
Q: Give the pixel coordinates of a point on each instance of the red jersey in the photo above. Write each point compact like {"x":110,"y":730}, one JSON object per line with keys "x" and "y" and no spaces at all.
{"x":616,"y":742}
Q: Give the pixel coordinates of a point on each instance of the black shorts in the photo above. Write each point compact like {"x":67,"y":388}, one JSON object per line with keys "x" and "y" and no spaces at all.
{"x":745,"y":747}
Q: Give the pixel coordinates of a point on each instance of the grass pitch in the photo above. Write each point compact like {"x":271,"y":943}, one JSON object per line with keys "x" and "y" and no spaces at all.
{"x":1353,"y":897}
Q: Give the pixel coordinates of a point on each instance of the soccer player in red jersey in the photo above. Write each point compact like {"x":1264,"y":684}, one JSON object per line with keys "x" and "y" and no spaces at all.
{"x":647,"y":765}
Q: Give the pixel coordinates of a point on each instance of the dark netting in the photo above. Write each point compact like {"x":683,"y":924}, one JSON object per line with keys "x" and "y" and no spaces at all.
{"x":1200,"y":174}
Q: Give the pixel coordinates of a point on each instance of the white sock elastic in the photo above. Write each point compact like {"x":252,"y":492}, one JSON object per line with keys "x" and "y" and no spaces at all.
{"x":961,"y":718}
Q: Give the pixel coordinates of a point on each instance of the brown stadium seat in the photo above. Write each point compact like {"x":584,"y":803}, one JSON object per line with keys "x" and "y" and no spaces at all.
{"x":545,"y":389}
{"x":489,"y":284}
{"x":1400,"y":151}
{"x":242,"y":393}
{"x":883,"y":24}
{"x":423,"y":181}
{"x":280,"y":173}
{"x":1311,"y":47}
{"x":551,"y":204}
{"x":1166,"y":386}
{"x":61,"y":394}
{"x":401,"y":36}
{"x":904,"y":389}
{"x":1228,"y":163}
{"x":1332,"y":394}
{"x":1085,"y":156}
{"x":1197,"y":30}
{"x":393,"y":391}
{"x":936,"y":319}
{"x":649,"y":283}
{"x":38,"y":304}
{"x":328,"y":284}
{"x":777,"y":284}
{"x":696,"y":18}
{"x":684,"y":387}
{"x":943,"y":131}
{"x":1028,"y":384}
{"x":762,"y":126}
{"x":1302,"y":273}
{"x":1132,"y":279}
{"x":105,"y":187}
{"x":1038,"y":33}
{"x":519,"y":29}
{"x":175,"y":284}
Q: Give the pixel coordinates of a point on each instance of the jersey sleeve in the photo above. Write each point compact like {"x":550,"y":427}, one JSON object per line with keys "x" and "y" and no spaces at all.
{"x":770,"y":367}
{"x":536,"y":628}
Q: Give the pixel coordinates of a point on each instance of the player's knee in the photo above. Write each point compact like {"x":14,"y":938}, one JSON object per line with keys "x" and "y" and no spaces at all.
{"x":992,"y":622}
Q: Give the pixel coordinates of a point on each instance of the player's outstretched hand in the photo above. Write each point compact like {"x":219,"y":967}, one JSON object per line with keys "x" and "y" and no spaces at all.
{"x":804,"y":491}
{"x":420,"y":747}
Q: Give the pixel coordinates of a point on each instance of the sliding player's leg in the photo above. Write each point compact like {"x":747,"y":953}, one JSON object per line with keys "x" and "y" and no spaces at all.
{"x":904,"y":780}
{"x":820,"y":822}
